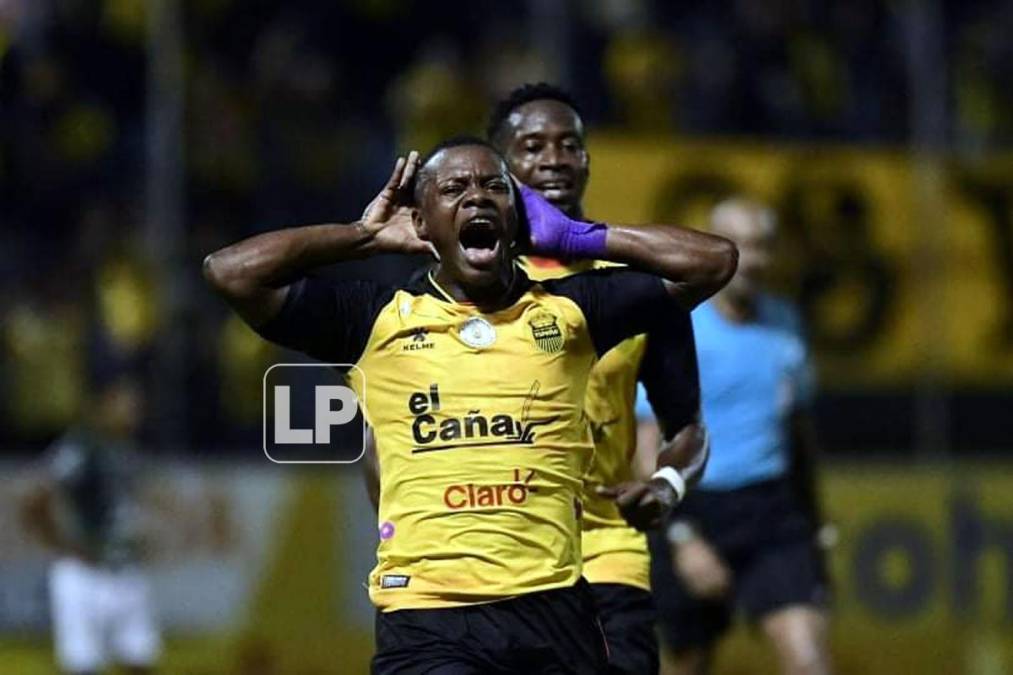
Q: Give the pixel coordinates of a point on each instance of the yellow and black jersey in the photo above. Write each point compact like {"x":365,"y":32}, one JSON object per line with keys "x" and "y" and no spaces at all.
{"x":479,"y":421}
{"x":665,"y":361}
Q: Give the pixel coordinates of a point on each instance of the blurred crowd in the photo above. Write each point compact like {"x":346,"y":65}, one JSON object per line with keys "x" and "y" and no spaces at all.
{"x":294,"y":111}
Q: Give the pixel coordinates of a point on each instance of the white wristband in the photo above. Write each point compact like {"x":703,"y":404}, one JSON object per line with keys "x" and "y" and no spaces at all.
{"x":674,"y":479}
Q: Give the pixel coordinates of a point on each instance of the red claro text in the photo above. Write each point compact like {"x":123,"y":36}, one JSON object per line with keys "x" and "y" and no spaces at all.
{"x":470,"y":495}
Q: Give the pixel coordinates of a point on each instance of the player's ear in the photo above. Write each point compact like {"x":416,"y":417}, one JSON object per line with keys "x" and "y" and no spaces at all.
{"x":420,"y":225}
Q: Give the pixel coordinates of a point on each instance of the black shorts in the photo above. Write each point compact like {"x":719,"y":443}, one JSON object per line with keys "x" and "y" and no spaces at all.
{"x":769,"y":544}
{"x":547,"y":633}
{"x":628,"y":616}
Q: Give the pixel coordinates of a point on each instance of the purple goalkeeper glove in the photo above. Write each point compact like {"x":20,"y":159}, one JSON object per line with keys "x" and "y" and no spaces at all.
{"x":556,"y":235}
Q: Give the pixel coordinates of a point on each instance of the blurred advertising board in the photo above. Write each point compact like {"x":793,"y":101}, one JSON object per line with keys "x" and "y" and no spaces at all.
{"x":204,"y":539}
{"x":249,"y":563}
{"x":922,"y":571}
{"x":895,"y":275}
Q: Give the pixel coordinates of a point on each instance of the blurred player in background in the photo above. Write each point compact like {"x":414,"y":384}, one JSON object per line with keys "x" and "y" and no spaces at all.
{"x":481,"y":437}
{"x":746,"y":539}
{"x":541,"y":134}
{"x":88,"y":511}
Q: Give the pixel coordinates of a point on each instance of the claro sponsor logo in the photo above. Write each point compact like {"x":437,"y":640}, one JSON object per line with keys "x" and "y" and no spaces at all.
{"x":470,"y":495}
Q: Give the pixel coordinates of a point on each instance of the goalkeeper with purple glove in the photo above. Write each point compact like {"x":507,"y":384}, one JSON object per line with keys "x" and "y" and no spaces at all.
{"x":540,"y":130}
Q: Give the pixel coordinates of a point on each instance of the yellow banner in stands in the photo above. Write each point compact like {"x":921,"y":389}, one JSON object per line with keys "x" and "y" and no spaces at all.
{"x":900,"y":272}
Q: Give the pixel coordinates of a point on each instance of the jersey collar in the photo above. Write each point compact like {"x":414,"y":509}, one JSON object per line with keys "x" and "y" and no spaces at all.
{"x":521,"y":283}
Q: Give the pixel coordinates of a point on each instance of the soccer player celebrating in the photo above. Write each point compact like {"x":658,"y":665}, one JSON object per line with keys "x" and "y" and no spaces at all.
{"x":480,"y":436}
{"x":541,"y":134}
{"x":746,"y":538}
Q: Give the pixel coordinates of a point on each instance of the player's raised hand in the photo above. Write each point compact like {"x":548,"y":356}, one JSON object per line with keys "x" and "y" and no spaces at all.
{"x":389,"y":217}
{"x":645,"y":505}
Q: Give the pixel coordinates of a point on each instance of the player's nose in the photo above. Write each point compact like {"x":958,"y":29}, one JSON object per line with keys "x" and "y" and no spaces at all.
{"x":551,"y":157}
{"x":477,"y":197}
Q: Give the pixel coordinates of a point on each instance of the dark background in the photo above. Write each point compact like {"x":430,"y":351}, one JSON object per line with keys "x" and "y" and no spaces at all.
{"x":132,"y":143}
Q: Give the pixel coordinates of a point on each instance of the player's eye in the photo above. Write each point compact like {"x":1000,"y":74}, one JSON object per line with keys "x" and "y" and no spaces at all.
{"x":451,"y":189}
{"x":571,"y":146}
{"x":497,"y":185}
{"x":532,"y":146}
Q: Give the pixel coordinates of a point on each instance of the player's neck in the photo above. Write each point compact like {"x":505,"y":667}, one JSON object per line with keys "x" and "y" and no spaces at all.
{"x":488,"y":298}
{"x":736,"y":308}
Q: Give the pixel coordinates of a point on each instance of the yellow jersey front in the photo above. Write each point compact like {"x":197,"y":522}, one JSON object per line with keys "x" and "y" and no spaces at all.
{"x":481,"y":435}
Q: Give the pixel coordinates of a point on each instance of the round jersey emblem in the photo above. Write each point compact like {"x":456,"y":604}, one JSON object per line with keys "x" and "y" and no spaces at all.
{"x":477,"y":332}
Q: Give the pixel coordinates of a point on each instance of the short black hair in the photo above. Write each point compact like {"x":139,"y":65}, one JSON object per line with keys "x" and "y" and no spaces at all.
{"x":456,"y":142}
{"x":525,"y":93}
{"x":421,"y":174}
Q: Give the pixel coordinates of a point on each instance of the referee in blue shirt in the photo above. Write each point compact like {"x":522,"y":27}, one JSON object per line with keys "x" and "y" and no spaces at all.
{"x":745,"y":539}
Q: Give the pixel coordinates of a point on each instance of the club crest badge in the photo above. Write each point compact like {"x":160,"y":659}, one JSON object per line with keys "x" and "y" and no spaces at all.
{"x":477,"y":332}
{"x":546,"y":332}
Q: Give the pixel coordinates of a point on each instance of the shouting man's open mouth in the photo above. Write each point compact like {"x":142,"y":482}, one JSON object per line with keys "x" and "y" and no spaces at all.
{"x":479,"y":240}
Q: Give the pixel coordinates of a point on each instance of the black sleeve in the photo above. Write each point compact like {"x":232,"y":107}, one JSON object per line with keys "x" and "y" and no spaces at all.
{"x":328,"y":320}
{"x":617,"y":303}
{"x":669,"y":372}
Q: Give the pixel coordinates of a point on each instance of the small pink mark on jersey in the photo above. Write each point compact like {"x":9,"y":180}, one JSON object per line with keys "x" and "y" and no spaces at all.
{"x":387,"y":530}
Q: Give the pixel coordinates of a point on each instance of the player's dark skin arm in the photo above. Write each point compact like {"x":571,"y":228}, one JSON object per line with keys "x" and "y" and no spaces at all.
{"x":679,"y":441}
{"x":253,"y":275}
{"x":695,"y":265}
{"x":686,"y":452}
{"x":679,"y":438}
{"x":645,"y":505}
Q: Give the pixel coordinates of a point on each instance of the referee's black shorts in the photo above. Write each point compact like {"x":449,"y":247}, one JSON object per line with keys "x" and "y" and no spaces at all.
{"x":768,"y":542}
{"x":551,"y":632}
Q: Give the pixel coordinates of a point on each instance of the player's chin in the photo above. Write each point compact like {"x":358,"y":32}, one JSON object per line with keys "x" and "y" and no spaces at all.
{"x":479,"y":275}
{"x":566,"y":201}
